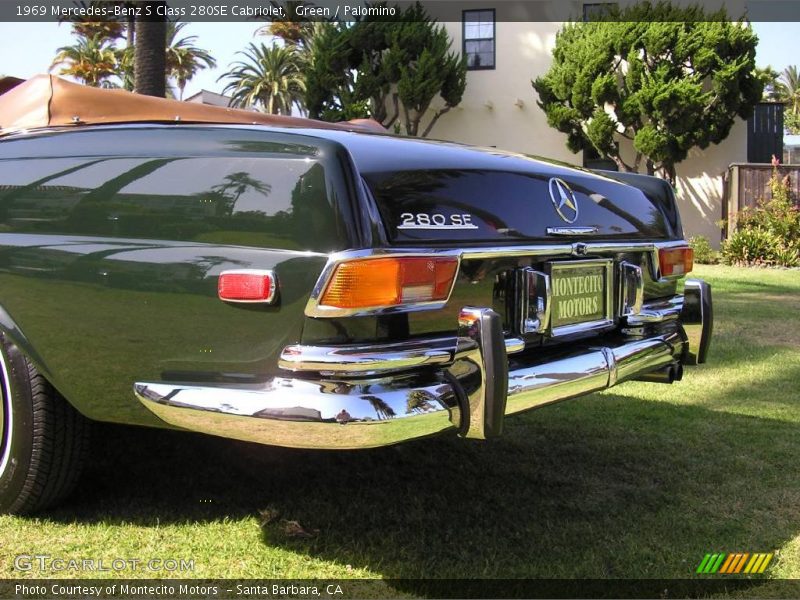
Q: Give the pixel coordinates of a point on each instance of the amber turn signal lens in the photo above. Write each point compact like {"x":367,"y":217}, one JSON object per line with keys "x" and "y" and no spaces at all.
{"x":385,"y":282}
{"x":675,"y":261}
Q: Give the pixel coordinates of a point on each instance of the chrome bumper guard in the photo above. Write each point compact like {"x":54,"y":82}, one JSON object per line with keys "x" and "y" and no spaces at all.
{"x":697,"y":319}
{"x":467,"y":384}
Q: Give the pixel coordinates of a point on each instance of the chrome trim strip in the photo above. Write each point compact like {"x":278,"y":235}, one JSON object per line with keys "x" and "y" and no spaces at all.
{"x":313,"y":309}
{"x":436,"y":227}
{"x":657,"y":312}
{"x":588,"y":327}
{"x":361,"y":360}
{"x":514,"y":345}
{"x":569,"y":231}
{"x":368,"y":359}
{"x":266,"y":272}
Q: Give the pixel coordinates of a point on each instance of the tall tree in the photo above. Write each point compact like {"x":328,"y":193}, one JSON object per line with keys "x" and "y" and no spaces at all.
{"x":125,"y":71}
{"x":666,"y":78}
{"x":769,"y":77}
{"x":329,"y":77}
{"x":267,"y":77}
{"x":184,"y":59}
{"x":390,"y":70}
{"x":87,"y":26}
{"x":90,"y":60}
{"x":788,"y":88}
{"x":420,"y":51}
{"x":150,"y":57}
{"x":293,"y":29}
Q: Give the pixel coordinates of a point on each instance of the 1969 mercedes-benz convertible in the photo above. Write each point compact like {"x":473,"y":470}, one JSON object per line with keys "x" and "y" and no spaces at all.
{"x":307,"y":284}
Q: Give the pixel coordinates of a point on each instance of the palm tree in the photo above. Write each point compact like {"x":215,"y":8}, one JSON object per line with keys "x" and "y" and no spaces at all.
{"x":125,"y":59}
{"x":150,"y":55}
{"x":269,"y":77}
{"x":91,"y":60}
{"x":88,"y":26}
{"x":184,"y":59}
{"x":235,"y":185}
{"x":294,"y":30}
{"x":788,"y":89}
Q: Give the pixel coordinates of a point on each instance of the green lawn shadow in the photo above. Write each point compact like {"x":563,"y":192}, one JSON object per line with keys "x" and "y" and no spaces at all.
{"x":606,"y":486}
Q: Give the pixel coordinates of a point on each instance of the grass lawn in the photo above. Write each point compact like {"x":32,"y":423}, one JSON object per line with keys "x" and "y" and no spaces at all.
{"x":639,"y":481}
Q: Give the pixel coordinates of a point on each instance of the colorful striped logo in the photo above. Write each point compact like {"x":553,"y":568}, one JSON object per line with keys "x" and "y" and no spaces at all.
{"x":736,"y":563}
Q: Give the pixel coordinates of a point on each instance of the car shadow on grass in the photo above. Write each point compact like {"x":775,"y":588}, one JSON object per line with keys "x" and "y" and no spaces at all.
{"x":605,"y":486}
{"x":608,"y":487}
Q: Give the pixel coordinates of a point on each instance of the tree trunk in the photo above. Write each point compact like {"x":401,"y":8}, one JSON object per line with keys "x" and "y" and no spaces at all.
{"x":412,"y":125}
{"x":621,"y":164}
{"x":396,"y":115}
{"x":131,"y":30}
{"x":150,"y":56}
{"x":435,"y":118}
{"x":651,"y":167}
{"x":379,"y":108}
{"x":411,"y":128}
{"x":669,"y":173}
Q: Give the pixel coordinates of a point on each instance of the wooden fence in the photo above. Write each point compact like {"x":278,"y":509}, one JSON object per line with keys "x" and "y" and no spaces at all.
{"x":745,"y":184}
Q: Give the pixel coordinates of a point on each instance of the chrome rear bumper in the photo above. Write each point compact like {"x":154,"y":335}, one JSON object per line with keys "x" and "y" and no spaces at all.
{"x":468,"y":388}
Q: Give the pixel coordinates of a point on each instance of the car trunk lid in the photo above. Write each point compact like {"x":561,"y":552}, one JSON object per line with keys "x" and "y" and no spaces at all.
{"x":482,"y":205}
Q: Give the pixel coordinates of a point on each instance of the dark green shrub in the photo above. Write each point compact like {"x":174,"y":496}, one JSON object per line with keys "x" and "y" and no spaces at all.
{"x":704,"y":254}
{"x":751,"y":247}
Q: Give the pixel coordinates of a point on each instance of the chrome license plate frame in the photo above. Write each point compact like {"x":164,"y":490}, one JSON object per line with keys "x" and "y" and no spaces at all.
{"x":560,"y":272}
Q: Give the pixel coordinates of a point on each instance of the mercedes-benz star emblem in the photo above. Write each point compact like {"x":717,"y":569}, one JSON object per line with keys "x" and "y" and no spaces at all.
{"x":564,"y":200}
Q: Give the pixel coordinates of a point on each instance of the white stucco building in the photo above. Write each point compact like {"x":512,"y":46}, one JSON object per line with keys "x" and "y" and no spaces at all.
{"x":499,"y":106}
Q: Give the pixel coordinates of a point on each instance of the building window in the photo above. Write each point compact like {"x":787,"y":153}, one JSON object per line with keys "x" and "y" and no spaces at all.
{"x":596,"y":11}
{"x":479,"y":33}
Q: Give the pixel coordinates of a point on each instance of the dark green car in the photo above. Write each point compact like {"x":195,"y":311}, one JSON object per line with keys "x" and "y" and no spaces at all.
{"x":308,"y":285}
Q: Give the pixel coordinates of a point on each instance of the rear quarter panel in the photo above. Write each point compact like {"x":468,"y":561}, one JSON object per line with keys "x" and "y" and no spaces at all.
{"x":111,"y":241}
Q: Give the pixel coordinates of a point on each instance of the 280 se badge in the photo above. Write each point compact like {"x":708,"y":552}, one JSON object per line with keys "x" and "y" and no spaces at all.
{"x":435,"y":221}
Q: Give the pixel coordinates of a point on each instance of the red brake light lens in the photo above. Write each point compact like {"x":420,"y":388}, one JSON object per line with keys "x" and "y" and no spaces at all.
{"x":247,"y":286}
{"x":675,"y":262}
{"x":384,"y":282}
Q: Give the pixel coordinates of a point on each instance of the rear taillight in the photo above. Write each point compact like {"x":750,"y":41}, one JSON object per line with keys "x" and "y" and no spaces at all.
{"x":675,"y":261}
{"x":386,"y":282}
{"x":247,"y":285}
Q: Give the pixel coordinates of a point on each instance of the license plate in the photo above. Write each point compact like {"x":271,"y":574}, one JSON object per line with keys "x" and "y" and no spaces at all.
{"x":580,"y":294}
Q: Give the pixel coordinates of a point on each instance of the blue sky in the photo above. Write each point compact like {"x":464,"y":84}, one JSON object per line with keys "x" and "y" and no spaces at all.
{"x":28,"y":48}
